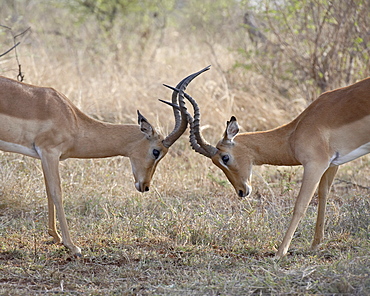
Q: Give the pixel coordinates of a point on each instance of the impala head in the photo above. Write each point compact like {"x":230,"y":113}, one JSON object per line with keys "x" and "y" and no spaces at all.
{"x":147,"y":152}
{"x":232,"y":158}
{"x":229,"y":154}
{"x":151,"y":146}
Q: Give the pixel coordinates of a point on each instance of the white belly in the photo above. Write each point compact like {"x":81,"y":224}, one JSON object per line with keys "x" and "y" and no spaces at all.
{"x":338,"y":159}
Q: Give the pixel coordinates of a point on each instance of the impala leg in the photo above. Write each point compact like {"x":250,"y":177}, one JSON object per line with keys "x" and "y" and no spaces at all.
{"x":324,"y":188}
{"x":52,"y":221}
{"x":311,"y":178}
{"x":50,"y":167}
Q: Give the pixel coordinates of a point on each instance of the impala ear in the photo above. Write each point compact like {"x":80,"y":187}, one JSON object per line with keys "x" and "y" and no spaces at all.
{"x":232,"y":129}
{"x":145,"y":127}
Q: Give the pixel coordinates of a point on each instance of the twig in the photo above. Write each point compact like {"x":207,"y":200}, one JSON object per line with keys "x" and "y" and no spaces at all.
{"x":14,"y":46}
{"x":353,"y":184}
{"x":20,"y":75}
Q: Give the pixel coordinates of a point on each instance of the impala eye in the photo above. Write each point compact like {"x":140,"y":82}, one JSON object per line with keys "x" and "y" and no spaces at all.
{"x":225,"y":159}
{"x":156,"y":153}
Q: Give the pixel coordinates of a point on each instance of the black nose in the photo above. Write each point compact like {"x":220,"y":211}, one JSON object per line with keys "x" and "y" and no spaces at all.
{"x":241,"y":193}
{"x":146,"y":188}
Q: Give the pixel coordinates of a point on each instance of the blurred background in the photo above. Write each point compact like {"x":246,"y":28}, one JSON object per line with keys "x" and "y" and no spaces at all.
{"x":269,"y":59}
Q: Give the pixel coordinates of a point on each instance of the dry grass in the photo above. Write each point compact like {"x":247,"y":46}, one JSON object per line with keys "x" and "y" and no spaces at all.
{"x":190,"y":235}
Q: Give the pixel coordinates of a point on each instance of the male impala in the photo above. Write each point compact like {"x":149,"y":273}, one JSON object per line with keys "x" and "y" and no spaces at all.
{"x":42,"y":123}
{"x":333,"y":130}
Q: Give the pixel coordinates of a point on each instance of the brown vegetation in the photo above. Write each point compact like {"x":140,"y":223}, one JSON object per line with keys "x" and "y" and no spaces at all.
{"x":190,"y":234}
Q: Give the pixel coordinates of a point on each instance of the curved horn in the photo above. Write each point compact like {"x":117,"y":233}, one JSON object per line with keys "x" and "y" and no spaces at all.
{"x":181,"y":121}
{"x":196,"y":140}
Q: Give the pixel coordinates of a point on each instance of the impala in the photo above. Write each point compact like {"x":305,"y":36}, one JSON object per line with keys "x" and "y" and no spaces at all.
{"x":333,"y":130}
{"x":42,"y":123}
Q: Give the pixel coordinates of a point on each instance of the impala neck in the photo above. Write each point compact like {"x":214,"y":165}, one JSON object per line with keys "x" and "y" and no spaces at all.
{"x":270,"y":147}
{"x":98,"y":139}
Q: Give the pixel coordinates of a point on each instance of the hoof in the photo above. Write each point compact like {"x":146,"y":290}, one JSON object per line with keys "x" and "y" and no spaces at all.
{"x":78,"y":255}
{"x":76,"y":251}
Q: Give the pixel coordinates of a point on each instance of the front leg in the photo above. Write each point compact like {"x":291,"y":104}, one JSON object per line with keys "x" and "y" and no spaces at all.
{"x":50,"y":167}
{"x":52,"y":221}
{"x":311,"y":178}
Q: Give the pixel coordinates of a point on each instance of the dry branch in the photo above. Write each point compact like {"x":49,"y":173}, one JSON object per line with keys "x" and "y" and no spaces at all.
{"x":20,"y":75}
